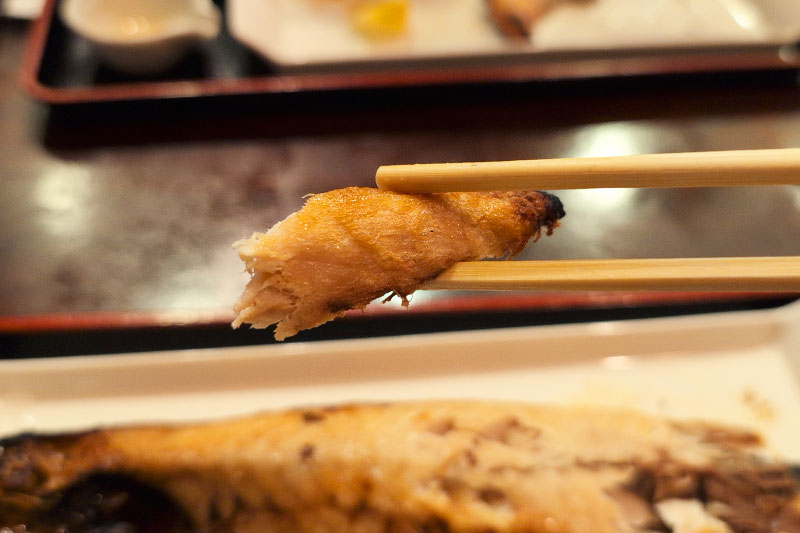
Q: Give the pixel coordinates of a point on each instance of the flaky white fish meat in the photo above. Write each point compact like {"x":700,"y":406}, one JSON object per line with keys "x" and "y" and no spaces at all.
{"x":347,"y":247}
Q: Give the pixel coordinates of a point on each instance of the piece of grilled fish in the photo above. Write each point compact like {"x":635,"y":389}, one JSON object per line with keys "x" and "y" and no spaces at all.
{"x":347,"y":247}
{"x":516,"y":18}
{"x":429,"y":467}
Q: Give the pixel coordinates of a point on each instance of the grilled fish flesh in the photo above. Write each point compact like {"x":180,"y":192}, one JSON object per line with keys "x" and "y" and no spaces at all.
{"x":347,"y":247}
{"x":458,"y":467}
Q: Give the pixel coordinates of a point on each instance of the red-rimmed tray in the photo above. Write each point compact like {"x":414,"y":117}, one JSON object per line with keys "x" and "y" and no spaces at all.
{"x":485,"y":303}
{"x":58,"y":69}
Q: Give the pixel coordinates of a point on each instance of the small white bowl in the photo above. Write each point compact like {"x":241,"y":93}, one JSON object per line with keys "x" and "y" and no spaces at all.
{"x":142,"y":36}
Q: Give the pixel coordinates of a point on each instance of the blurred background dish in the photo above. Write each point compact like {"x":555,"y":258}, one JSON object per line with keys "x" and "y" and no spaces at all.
{"x":735,"y":368}
{"x":21,"y":9}
{"x":62,"y":68}
{"x":295,"y":33}
{"x":142,"y":36}
{"x":587,"y":24}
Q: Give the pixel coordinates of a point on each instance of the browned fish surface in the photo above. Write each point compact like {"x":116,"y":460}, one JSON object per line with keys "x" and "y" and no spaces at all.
{"x":347,"y":247}
{"x":515,"y":18}
{"x":460,"y":467}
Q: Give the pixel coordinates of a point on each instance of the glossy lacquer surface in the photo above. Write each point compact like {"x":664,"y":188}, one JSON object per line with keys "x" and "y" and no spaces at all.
{"x":133,"y":208}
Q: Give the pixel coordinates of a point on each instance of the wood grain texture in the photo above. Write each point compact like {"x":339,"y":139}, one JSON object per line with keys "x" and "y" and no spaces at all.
{"x":724,"y":273}
{"x":691,"y":169}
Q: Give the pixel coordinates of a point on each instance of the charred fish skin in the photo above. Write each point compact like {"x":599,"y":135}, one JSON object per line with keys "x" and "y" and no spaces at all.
{"x":35,"y":469}
{"x":542,"y":210}
{"x":459,"y":467}
{"x":75,"y":483}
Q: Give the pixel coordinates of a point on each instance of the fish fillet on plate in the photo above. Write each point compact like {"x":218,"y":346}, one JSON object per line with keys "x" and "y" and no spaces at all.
{"x":347,"y":247}
{"x":426,"y":467}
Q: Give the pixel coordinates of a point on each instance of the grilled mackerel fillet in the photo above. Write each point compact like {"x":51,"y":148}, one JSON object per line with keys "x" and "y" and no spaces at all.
{"x":347,"y":247}
{"x":431,"y":467}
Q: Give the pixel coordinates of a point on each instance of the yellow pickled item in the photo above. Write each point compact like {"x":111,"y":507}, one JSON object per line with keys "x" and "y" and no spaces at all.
{"x":380,"y":18}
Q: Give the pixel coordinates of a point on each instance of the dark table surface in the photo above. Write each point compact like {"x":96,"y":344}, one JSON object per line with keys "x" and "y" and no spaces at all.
{"x":133,"y":208}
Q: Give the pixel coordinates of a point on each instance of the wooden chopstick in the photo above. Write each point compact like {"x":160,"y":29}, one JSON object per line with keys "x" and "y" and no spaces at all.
{"x":693,"y":169}
{"x":698,"y":169}
{"x":717,"y":274}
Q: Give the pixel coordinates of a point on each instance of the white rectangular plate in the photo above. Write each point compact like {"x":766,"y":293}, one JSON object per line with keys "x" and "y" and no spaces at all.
{"x":741,"y":368}
{"x":296,"y":33}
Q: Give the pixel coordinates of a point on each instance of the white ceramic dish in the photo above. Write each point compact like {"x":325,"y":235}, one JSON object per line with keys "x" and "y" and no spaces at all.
{"x":741,"y":368}
{"x":21,"y":9}
{"x":297,"y":33}
{"x":142,"y":36}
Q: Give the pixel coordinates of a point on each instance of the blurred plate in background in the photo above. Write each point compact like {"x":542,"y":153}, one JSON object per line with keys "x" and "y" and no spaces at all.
{"x":21,"y":9}
{"x":61,"y":68}
{"x":736,"y":368}
{"x":295,"y":33}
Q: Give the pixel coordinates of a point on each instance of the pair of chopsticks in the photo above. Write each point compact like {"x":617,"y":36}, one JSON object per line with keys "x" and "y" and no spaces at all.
{"x":700,"y":169}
